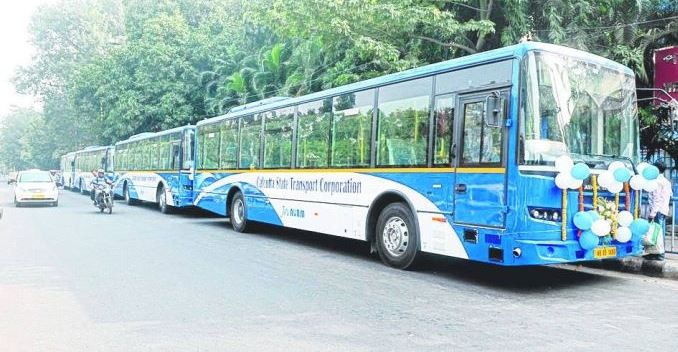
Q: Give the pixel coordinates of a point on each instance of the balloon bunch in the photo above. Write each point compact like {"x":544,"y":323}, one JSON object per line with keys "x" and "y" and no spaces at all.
{"x":614,"y":177}
{"x":646,"y":179}
{"x":594,"y":226}
{"x":570,"y":175}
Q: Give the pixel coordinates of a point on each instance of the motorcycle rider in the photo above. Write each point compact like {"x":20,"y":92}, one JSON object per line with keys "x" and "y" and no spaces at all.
{"x":98,"y":180}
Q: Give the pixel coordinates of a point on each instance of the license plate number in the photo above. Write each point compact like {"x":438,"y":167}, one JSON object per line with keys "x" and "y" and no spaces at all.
{"x":38,"y":196}
{"x":604,"y":252}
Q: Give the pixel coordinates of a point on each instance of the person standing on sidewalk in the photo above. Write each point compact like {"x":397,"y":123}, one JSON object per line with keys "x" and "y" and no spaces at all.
{"x":659,"y":202}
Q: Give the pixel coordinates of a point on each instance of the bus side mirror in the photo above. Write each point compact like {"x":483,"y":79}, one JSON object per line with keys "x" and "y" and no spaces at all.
{"x":494,"y":110}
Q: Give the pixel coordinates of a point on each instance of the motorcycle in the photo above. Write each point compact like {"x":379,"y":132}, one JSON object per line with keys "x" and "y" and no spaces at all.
{"x":104,"y":198}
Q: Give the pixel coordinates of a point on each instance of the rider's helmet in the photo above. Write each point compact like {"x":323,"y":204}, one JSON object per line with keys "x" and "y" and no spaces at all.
{"x":100,"y":173}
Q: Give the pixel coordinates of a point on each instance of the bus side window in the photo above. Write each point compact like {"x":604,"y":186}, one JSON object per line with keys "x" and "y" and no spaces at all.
{"x":444,"y":127}
{"x":402,"y":127}
{"x":250,"y":141}
{"x":229,"y":144}
{"x":352,"y":129}
{"x":278,"y":138}
{"x":313,"y":134}
{"x":481,"y":143}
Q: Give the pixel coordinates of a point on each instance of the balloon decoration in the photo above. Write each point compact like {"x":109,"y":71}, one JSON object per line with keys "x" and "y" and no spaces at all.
{"x":646,"y":179}
{"x":623,"y":234}
{"x":624,"y":218}
{"x":606,"y":221}
{"x":614,"y":177}
{"x":570,"y":176}
{"x":588,"y":240}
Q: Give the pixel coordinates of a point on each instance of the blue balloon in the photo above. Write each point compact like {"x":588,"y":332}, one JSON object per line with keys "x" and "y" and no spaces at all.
{"x":594,"y":215}
{"x":651,"y":172}
{"x":582,"y":220}
{"x":580,"y":171}
{"x":588,"y":240}
{"x":622,"y":174}
{"x":639,"y":227}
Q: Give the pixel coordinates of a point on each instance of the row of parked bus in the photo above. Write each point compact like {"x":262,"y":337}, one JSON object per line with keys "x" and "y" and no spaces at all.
{"x":455,"y":158}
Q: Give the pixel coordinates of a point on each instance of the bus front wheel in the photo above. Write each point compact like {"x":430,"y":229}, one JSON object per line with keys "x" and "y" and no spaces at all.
{"x":238,"y":213}
{"x":161,"y":197}
{"x":397,"y":236}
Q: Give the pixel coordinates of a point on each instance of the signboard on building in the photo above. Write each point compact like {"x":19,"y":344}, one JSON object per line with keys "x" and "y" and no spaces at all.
{"x":666,"y":72}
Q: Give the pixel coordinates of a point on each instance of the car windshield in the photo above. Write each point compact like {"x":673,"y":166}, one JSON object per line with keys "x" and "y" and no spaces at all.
{"x":34,"y":177}
{"x":576,"y":108}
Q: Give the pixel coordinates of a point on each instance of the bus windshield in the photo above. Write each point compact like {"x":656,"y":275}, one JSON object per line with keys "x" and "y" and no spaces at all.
{"x":577,"y":108}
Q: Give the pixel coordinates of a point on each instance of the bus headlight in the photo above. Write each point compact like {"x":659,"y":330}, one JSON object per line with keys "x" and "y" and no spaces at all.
{"x":546,"y":214}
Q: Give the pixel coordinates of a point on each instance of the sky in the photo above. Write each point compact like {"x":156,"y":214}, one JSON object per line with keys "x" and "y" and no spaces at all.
{"x":16,"y":50}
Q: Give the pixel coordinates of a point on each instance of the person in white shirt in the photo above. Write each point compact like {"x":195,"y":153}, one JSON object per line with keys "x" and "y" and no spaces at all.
{"x":659,"y":201}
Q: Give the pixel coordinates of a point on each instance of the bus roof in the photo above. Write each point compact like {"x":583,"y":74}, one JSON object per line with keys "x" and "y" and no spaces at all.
{"x":93,"y":148}
{"x":147,"y":135}
{"x":513,"y":51}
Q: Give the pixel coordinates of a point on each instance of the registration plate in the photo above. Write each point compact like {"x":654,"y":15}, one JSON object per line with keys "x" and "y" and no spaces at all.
{"x":604,"y":252}
{"x":38,"y":196}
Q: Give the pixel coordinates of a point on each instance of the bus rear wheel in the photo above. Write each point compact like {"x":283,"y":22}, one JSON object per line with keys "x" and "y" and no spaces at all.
{"x":397,"y":236}
{"x":128,"y":199}
{"x":238,"y":213}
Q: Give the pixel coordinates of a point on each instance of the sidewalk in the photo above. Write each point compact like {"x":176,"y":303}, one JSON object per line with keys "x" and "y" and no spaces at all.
{"x":667,"y":269}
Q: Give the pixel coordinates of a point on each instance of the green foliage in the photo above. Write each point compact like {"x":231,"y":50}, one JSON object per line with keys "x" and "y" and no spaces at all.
{"x":107,"y":69}
{"x":26,"y":143}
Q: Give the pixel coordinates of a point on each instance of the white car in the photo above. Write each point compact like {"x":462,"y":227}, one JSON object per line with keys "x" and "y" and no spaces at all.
{"x":35,"y":186}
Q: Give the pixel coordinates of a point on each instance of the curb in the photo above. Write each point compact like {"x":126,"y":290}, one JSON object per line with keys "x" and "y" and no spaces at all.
{"x":667,"y":269}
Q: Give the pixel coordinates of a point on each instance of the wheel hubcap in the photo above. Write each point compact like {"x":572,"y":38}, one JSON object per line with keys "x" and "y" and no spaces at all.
{"x":396,"y":236}
{"x":238,"y":211}
{"x":162,"y":199}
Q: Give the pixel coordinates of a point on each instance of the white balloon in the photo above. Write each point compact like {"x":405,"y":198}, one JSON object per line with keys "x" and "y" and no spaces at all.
{"x":615,"y":165}
{"x":623,"y":234}
{"x":651,"y":186}
{"x":575,"y":184}
{"x":624,"y":218}
{"x":605,"y":179}
{"x":564,"y":180}
{"x":637,"y":182}
{"x":601,"y":228}
{"x":564,"y":164}
{"x":615,"y":187}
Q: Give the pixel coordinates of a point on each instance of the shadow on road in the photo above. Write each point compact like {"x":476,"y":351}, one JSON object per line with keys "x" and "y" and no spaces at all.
{"x":528,"y":279}
{"x":189,"y":212}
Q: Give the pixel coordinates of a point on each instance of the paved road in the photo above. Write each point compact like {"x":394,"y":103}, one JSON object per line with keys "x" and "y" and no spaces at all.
{"x":75,"y":280}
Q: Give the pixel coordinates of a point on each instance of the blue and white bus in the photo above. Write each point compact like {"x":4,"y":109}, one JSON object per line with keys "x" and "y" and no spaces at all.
{"x":88,"y":160}
{"x":156,"y":167}
{"x":458,"y":158}
{"x":67,"y":168}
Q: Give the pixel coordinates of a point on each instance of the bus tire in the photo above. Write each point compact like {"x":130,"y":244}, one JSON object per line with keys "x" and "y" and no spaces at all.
{"x":128,"y":198}
{"x":238,"y":213}
{"x":397,"y":236}
{"x":161,"y":198}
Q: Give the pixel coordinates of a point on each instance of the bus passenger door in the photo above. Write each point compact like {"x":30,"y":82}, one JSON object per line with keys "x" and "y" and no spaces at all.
{"x":182,"y":160}
{"x":443,"y":153}
{"x":480,"y":183}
